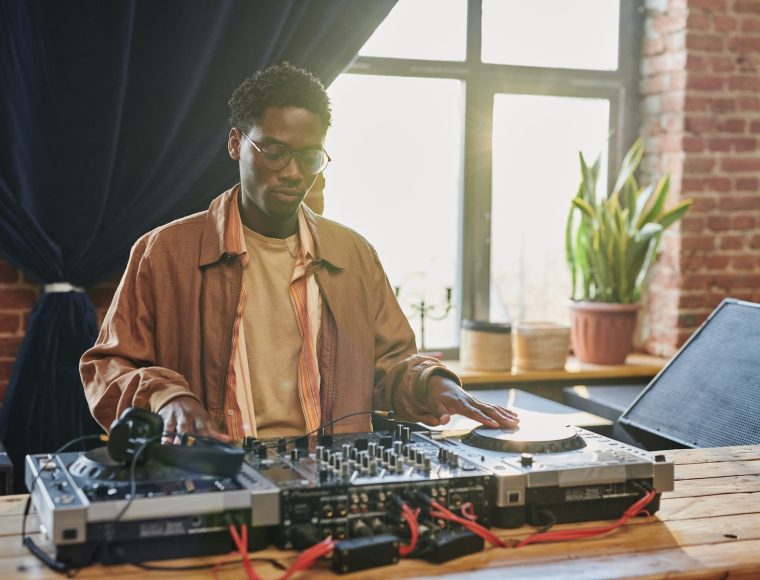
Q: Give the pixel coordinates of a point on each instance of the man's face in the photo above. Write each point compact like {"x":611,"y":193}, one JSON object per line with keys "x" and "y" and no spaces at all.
{"x":270,"y":198}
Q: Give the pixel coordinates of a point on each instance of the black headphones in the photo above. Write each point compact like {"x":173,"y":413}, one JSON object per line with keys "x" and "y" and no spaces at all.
{"x":138,"y":428}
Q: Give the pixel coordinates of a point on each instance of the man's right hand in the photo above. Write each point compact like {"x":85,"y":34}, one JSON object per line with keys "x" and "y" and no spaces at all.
{"x":186,"y":415}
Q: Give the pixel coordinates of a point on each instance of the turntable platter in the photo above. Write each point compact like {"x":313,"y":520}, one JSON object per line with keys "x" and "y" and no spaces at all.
{"x":536,"y":438}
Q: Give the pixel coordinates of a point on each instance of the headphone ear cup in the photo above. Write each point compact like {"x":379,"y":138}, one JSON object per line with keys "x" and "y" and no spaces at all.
{"x":133,"y":423}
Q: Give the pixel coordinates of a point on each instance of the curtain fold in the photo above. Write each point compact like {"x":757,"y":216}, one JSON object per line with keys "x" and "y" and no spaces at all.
{"x":113,"y":120}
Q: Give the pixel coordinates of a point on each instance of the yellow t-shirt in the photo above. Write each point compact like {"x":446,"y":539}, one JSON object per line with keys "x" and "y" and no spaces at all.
{"x":272,"y":338}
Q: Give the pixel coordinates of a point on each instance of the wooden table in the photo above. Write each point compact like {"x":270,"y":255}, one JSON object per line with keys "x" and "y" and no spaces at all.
{"x":709,"y":527}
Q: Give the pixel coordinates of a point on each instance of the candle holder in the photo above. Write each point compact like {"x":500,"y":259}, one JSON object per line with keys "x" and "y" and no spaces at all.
{"x":425,"y":311}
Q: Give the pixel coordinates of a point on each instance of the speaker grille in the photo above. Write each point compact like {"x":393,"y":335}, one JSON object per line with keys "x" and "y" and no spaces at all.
{"x":709,"y":393}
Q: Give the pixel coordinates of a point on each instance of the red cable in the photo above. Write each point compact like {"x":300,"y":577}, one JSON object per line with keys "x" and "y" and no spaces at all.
{"x":561,"y":535}
{"x":410,"y":517}
{"x":241,"y":541}
{"x":309,"y":556}
{"x":475,"y":528}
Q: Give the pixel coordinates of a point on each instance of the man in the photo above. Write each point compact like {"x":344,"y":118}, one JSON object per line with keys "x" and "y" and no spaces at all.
{"x":259,"y":317}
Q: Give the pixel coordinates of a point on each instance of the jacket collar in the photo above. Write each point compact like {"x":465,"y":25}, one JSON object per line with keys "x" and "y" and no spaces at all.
{"x":216,"y":243}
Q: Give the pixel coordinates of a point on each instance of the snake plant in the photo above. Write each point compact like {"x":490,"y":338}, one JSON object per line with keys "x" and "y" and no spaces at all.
{"x":611,"y":249}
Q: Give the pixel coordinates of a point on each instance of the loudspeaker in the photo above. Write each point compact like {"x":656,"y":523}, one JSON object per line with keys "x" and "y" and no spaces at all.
{"x":708,"y":395}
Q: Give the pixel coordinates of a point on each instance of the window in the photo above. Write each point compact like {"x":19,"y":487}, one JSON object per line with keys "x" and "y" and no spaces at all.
{"x":455,"y":144}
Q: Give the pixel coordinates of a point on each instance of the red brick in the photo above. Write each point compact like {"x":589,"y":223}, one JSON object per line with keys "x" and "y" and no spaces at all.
{"x":747,"y":184}
{"x":750,"y":24}
{"x":745,"y":103}
{"x":692,"y":184}
{"x":740,"y":164}
{"x":747,"y":6}
{"x":754,"y":127}
{"x":720,"y":144}
{"x":754,"y":242}
{"x":696,"y":124}
{"x":709,"y":5}
{"x":744,"y":44}
{"x":697,"y":21}
{"x":696,"y":63}
{"x":696,"y":104}
{"x":9,"y":346}
{"x":723,"y":105}
{"x":720,"y":184}
{"x":701,"y":82}
{"x":739,"y":203}
{"x":725,"y":23}
{"x":699,"y":164}
{"x":692,"y":224}
{"x":9,"y":322}
{"x":732,"y":125}
{"x":707,"y":42}
{"x":719,"y":222}
{"x":690,"y":301}
{"x":744,"y":83}
{"x":689,"y":242}
{"x":731,"y":242}
{"x":717,"y":262}
{"x":6,"y":368}
{"x":740,"y":280}
{"x":693,"y":281}
{"x":744,"y":144}
{"x":8,"y":274}
{"x":746,"y":262}
{"x":14,"y":298}
{"x":702,"y":204}
{"x":742,"y":222}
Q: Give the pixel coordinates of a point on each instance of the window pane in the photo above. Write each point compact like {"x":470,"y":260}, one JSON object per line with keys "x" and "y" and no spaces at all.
{"x":421,"y":29}
{"x":396,"y":145}
{"x":536,"y":172}
{"x":551,"y":33}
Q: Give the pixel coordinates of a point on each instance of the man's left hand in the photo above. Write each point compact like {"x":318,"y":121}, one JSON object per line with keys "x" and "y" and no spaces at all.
{"x":446,"y":398}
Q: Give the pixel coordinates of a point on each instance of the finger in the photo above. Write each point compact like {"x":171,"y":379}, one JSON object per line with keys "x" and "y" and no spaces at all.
{"x":219,"y":435}
{"x":167,"y":440}
{"x":471,"y":412}
{"x":503,"y":416}
{"x":185,"y":425}
{"x":428,"y":419}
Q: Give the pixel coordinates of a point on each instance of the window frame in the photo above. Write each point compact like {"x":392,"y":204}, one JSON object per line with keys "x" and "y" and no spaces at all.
{"x":482,"y":82}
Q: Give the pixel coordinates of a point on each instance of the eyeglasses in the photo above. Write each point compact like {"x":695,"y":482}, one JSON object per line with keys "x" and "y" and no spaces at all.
{"x":276,"y":156}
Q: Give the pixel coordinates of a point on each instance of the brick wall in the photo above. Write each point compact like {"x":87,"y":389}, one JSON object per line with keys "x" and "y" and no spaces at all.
{"x":17,"y":298}
{"x":700,"y":88}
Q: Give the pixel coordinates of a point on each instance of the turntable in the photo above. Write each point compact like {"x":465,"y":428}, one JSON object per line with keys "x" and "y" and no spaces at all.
{"x":545,"y":473}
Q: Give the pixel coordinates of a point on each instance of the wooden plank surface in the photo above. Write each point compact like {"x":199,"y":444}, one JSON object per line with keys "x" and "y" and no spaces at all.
{"x":709,"y":527}
{"x":637,"y":365}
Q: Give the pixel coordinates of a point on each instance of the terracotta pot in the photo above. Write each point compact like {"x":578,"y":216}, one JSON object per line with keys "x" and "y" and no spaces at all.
{"x":602,"y":332}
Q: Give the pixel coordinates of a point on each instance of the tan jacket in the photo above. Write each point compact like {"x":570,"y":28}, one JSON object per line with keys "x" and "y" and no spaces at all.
{"x":168,"y":332}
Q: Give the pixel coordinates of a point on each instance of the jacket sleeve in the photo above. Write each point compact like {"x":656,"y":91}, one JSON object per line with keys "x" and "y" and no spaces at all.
{"x":120,"y":371}
{"x":401,"y":373}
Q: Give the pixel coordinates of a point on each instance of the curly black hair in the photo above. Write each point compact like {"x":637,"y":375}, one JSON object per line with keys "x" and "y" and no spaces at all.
{"x":282,"y":85}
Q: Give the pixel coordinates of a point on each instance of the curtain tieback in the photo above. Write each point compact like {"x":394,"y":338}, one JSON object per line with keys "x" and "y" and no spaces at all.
{"x":62,"y":287}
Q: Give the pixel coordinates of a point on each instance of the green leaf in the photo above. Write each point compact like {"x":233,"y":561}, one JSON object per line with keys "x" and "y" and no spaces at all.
{"x":628,"y":167}
{"x":675,"y":214}
{"x":661,"y":194}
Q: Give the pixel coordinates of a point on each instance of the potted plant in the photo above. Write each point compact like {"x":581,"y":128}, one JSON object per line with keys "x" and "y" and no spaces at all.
{"x":609,"y":252}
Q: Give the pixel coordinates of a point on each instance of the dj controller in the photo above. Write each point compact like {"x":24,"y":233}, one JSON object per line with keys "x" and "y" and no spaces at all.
{"x":296,"y":492}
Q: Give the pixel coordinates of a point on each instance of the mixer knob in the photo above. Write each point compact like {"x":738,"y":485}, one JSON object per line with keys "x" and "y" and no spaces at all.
{"x":453,"y":460}
{"x":397,"y":447}
{"x":249,"y":443}
{"x":345,"y":470}
{"x":371,"y":448}
{"x":295,"y":454}
{"x":347,"y":450}
{"x":373,"y":467}
{"x":426,"y":463}
{"x":526,"y":459}
{"x":406,"y":434}
{"x":282,"y":445}
{"x":354,"y":453}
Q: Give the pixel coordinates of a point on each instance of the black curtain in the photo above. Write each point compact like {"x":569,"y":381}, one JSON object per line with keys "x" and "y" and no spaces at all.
{"x":113,"y":120}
